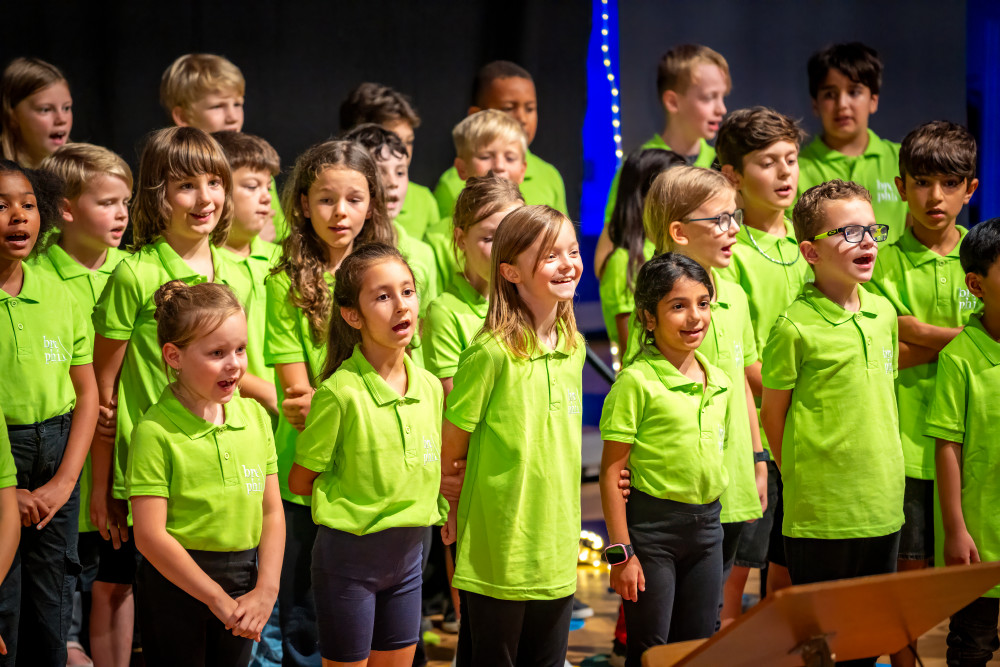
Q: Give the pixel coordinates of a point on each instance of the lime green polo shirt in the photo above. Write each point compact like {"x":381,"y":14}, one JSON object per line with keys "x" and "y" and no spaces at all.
{"x":256,"y":268}
{"x":964,"y":410}
{"x":420,"y":210}
{"x":86,"y":287}
{"x":8,"y":469}
{"x":125,"y":311}
{"x":519,"y":513}
{"x":876,"y":169}
{"x":378,"y":454}
{"x":841,"y":459}
{"x":542,"y":185}
{"x":446,"y":260}
{"x":706,"y":156}
{"x":212,"y":476}
{"x":617,"y":296}
{"x":452,"y":322}
{"x":43,"y":333}
{"x":675,"y":426}
{"x":421,"y":259}
{"x":281,"y":228}
{"x":289,"y":341}
{"x":920,"y":282}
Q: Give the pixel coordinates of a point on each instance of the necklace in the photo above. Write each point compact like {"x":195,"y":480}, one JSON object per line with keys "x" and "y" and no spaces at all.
{"x":768,"y":257}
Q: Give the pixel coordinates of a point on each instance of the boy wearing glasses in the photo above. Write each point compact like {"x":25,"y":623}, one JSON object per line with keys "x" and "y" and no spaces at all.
{"x":829,"y":405}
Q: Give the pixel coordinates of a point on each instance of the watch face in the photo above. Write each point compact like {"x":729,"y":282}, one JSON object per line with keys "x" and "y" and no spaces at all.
{"x":616,"y":554}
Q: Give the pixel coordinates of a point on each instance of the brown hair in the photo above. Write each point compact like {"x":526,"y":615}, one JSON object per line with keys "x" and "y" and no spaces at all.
{"x":195,"y":75}
{"x":79,"y":163}
{"x":185,"y":313}
{"x":303,"y":253}
{"x":508,"y":317}
{"x":676,"y":69}
{"x":481,"y":197}
{"x":483,"y":128}
{"x":375,"y":103}
{"x":938,"y":147}
{"x":175,"y":153}
{"x":22,"y":78}
{"x":248,"y":151}
{"x":858,"y":62}
{"x":809,"y":217}
{"x":676,"y":194}
{"x":747,"y":130}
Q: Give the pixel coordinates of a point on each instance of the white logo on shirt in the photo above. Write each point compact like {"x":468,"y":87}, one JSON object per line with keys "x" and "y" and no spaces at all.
{"x":55,"y":352}
{"x":887,"y":358}
{"x":573,"y":399}
{"x":738,"y":352}
{"x":967,"y":300}
{"x":722,"y":437}
{"x":253,"y":478}
{"x":430,"y":455}
{"x":886,"y":192}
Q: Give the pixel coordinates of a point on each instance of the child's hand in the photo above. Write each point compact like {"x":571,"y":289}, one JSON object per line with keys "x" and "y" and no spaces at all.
{"x":32,"y":509}
{"x":760,"y":476}
{"x":451,"y":485}
{"x":223,"y":609}
{"x":110,"y":515}
{"x":295,"y":405}
{"x":252,"y":612}
{"x":625,"y":483}
{"x":107,"y":421}
{"x":449,"y":531}
{"x":959,"y":548}
{"x":628,"y":579}
{"x":53,"y":494}
{"x":3,"y":647}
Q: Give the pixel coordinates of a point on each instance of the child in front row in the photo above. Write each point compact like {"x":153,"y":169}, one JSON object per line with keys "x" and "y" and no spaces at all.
{"x":370,"y":458}
{"x":665,"y":419}
{"x":515,"y":413}
{"x":204,"y":491}
{"x":829,"y":406}
{"x":49,"y":401}
{"x":962,"y":417}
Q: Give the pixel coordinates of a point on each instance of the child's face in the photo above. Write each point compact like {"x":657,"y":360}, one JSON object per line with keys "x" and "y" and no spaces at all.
{"x":251,"y":199}
{"x":843,"y":106}
{"x":700,"y":108}
{"x":195,"y":205}
{"x":337,"y":206}
{"x":770,"y":177}
{"x":503,"y":159}
{"x":476,"y":243}
{"x":211,"y":367}
{"x":935,"y":201}
{"x":682,"y":317}
{"x":516,"y":97}
{"x":98,"y":216}
{"x":19,"y":219}
{"x":216,"y":111}
{"x":45,"y":119}
{"x":554,"y":279}
{"x":703,"y":240}
{"x":405,"y":132}
{"x":388,"y":306}
{"x":833,"y":257}
{"x":395,"y":173}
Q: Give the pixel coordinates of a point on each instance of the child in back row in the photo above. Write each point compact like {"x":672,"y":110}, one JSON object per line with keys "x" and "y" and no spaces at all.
{"x":36,"y":111}
{"x":49,"y":402}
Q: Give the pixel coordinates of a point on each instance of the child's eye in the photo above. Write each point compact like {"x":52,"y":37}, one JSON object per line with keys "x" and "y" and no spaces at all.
{"x":766,"y":164}
{"x":241,"y":349}
{"x":488,"y":239}
{"x":409,"y":291}
{"x":28,"y":205}
{"x":920,"y":182}
{"x":952,"y":183}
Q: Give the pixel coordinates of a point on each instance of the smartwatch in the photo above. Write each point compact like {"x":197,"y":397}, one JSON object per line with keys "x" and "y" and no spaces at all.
{"x":616,"y":554}
{"x":761,"y":456}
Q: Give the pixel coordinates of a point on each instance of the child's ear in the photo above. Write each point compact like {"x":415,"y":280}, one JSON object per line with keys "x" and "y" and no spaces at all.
{"x":970,"y":188}
{"x":808,"y":251}
{"x":901,"y":186}
{"x":172,"y":355}
{"x":351,"y":316}
{"x":669,"y":101}
{"x":873,"y":105}
{"x":649,"y":321}
{"x":732,"y":175}
{"x":463,"y":173}
{"x":459,"y":237}
{"x":974,"y":282}
{"x":66,"y":211}
{"x":304,"y":202}
{"x":815,"y":106}
{"x":510,"y":273}
{"x":677,"y":233}
{"x":180,"y":118}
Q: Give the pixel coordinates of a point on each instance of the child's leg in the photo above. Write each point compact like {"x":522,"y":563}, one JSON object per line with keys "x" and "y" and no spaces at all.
{"x":751,"y":553}
{"x":545,"y":633}
{"x":112,"y":616}
{"x":297,"y":608}
{"x":972,"y":634}
{"x":236,"y":572}
{"x":172,"y":622}
{"x":10,"y":610}
{"x":698,"y":587}
{"x":398,"y":607}
{"x":495,"y":626}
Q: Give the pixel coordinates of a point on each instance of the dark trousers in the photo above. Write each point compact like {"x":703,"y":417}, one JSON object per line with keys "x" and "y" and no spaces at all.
{"x":811,"y":560}
{"x":679,"y":547}
{"x":521,"y":633}
{"x":36,"y":597}
{"x":296,"y":604}
{"x":972,"y":634}
{"x":178,"y":629}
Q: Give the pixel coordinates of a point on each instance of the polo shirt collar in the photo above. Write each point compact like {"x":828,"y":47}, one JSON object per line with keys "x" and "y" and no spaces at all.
{"x":723,"y":290}
{"x":766,"y":241}
{"x":468,"y":294}
{"x":561,"y":351}
{"x":833,"y":313}
{"x":827,"y":154}
{"x":191,"y":425}
{"x":68,"y":268}
{"x":259,"y":249}
{"x":31,"y":288}
{"x":378,"y":387}
{"x":920,"y":254}
{"x":177,"y":267}
{"x":674,"y":379}
{"x":982,"y":339}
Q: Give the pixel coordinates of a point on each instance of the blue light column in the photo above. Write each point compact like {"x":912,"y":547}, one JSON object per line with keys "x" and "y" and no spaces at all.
{"x":983,"y":54}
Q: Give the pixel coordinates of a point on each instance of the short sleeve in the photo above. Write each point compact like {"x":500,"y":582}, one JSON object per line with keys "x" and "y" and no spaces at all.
{"x":616,"y":297}
{"x":282,"y":340}
{"x":946,"y":413}
{"x":83,"y":345}
{"x":314,"y":447}
{"x":623,"y":409}
{"x":441,"y":343}
{"x":473,"y":387}
{"x":149,"y":462}
{"x":782,"y":356}
{"x":262,"y":420}
{"x":118,"y":307}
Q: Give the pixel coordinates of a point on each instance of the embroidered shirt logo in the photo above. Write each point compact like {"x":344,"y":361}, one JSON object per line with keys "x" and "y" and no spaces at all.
{"x":253,"y":479}
{"x":722,"y":437}
{"x":885,"y":191}
{"x":967,"y":300}
{"x":887,"y":358}
{"x":55,"y":351}
{"x":573,"y":399}
{"x":430,"y":451}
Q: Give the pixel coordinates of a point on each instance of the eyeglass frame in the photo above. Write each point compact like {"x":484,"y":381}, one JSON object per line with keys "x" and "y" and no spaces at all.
{"x":736,"y":215}
{"x":865,"y":229}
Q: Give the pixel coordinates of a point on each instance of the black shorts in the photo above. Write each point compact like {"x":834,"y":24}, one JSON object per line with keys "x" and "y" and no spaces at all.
{"x":117,"y":566}
{"x":916,"y":539}
{"x":761,"y":540}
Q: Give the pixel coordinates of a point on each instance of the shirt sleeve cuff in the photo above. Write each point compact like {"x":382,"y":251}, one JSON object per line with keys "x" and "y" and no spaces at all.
{"x":159,"y":490}
{"x":951,"y":435}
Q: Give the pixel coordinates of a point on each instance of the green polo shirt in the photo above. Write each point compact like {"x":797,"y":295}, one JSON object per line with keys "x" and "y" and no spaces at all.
{"x":378,"y":454}
{"x":43,"y":333}
{"x":841,"y":459}
{"x":542,"y":185}
{"x":706,"y":156}
{"x":421,"y":259}
{"x":965,"y":410}
{"x":519,"y":514}
{"x":676,"y":427}
{"x":452,"y":322}
{"x":920,"y":282}
{"x":876,"y":169}
{"x":420,"y":210}
{"x":446,"y":261}
{"x":8,"y":470}
{"x":289,"y":341}
{"x":125,"y":311}
{"x":617,"y":296}
{"x":256,"y":268}
{"x":281,"y":228}
{"x":212,"y":476}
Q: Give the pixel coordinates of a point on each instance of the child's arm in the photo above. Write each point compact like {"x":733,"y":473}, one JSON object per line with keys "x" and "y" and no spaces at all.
{"x":959,"y":548}
{"x":10,"y":535}
{"x":773,"y":410}
{"x":261,"y":391}
{"x":919,"y":342}
{"x":300,"y":480}
{"x":627,"y":579}
{"x":254,"y":608}
{"x":298,"y":392}
{"x":759,"y":468}
{"x":604,"y":248}
{"x":754,"y":378}
{"x":621,"y":325}
{"x":454,"y":449}
{"x":108,"y":514}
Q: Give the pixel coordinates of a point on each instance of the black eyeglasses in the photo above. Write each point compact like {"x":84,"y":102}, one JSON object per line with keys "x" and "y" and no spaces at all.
{"x":723,"y":220}
{"x":855,"y":233}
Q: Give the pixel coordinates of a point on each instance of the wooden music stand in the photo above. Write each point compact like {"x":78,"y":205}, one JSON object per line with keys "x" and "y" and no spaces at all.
{"x":815,"y":624}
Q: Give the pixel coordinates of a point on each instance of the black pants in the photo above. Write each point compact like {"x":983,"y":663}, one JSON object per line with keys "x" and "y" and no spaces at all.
{"x":178,"y":629}
{"x":811,"y":560}
{"x":525,"y":633}
{"x":972,"y":634}
{"x":296,"y":604}
{"x":679,"y":547}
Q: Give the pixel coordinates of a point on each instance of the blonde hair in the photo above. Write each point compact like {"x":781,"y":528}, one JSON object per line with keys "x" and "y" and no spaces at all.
{"x":481,"y":197}
{"x":508,"y":317}
{"x":676,"y":194}
{"x":80,"y":163}
{"x":303,"y":253}
{"x":482,"y":128}
{"x":22,"y":78}
{"x":195,"y":75}
{"x":676,"y":69}
{"x":170,"y":154}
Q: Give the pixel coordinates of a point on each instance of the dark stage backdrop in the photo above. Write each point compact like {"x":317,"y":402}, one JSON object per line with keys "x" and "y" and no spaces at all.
{"x":301,"y":58}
